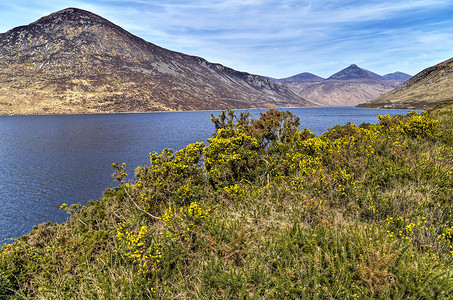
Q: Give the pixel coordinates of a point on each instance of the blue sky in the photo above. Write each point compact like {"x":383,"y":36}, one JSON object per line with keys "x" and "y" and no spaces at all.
{"x":277,"y":38}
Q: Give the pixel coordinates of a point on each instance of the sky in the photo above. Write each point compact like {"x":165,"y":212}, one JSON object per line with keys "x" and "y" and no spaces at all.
{"x":277,"y":38}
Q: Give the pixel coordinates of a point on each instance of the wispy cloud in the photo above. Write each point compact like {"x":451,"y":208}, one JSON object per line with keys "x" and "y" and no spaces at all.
{"x":278,"y":38}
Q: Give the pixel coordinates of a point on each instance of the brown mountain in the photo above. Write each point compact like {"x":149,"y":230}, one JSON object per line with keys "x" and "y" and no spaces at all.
{"x":74,"y":61}
{"x":430,"y":87}
{"x":350,"y":86}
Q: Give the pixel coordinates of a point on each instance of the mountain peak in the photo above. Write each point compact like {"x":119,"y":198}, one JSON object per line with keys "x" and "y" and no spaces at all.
{"x":72,"y":34}
{"x":68,"y":21}
{"x":397,"y":76}
{"x":302,"y":77}
{"x":350,"y":86}
{"x":70,"y":14}
{"x":354,"y":72}
{"x":76,"y":61}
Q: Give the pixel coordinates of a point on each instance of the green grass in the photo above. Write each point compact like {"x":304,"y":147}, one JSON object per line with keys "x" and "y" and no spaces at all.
{"x":264,"y":212}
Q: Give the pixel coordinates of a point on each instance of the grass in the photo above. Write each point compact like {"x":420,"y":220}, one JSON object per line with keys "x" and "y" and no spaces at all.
{"x":265,"y":212}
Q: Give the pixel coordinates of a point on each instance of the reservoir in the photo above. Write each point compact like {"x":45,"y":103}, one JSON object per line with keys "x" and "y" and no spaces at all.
{"x":48,"y":160}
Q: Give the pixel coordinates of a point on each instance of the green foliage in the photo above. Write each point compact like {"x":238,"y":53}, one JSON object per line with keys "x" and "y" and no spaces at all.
{"x":120,"y":172}
{"x":228,"y":119}
{"x":175,"y":177}
{"x":265,"y":211}
{"x":274,"y":126}
{"x":412,"y":125}
{"x":232,"y":156}
{"x":6,"y":288}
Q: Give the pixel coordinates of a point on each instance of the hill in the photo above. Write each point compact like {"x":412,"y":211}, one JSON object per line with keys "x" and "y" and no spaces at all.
{"x":350,"y":86}
{"x":397,"y":76}
{"x":302,"y":77}
{"x":74,"y":61}
{"x":263,"y":211}
{"x":354,"y":72}
{"x":426,"y":89}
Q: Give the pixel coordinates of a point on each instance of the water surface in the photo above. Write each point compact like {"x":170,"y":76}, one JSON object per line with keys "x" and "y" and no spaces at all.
{"x":49,"y":160}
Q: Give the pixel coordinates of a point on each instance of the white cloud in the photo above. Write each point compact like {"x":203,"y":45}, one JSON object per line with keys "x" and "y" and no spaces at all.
{"x":275,"y":38}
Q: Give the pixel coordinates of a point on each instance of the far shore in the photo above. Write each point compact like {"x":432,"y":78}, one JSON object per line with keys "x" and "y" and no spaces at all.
{"x":202,"y":110}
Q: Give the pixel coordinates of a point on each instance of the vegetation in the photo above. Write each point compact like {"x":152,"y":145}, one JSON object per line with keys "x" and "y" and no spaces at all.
{"x":263,"y":211}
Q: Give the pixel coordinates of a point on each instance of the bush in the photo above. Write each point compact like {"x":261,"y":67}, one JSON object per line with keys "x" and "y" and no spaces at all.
{"x":232,"y":156}
{"x":264,"y":211}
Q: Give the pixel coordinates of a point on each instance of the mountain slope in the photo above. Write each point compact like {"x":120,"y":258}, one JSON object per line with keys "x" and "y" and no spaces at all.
{"x":354,"y":72}
{"x":428,"y":88}
{"x":397,"y":76}
{"x":74,"y":61}
{"x":341,"y":93}
{"x":350,"y":86}
{"x":304,"y":77}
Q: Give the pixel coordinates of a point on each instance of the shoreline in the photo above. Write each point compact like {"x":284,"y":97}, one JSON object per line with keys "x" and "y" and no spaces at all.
{"x":202,"y":110}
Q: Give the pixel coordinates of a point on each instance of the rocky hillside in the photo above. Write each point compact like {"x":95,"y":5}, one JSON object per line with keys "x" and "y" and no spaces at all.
{"x":428,"y":88}
{"x":74,"y":61}
{"x":350,"y":86}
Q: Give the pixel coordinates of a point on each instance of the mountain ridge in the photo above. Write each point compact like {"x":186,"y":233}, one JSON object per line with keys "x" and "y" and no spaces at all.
{"x":397,"y":76}
{"x":350,"y":86}
{"x":74,"y":61}
{"x":305,"y":76}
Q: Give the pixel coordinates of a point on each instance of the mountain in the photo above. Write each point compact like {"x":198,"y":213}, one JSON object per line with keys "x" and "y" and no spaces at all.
{"x":350,"y":86}
{"x":353,"y":72}
{"x":302,"y":77}
{"x":74,"y":61}
{"x":397,"y":76}
{"x":430,"y":87}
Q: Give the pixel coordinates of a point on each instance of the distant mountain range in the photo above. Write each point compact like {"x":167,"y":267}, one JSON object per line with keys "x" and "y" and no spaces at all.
{"x":74,"y":61}
{"x":350,"y":86}
{"x":430,"y":87}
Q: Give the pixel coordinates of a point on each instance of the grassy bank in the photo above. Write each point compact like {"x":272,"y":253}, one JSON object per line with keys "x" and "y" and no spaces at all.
{"x":264,"y":211}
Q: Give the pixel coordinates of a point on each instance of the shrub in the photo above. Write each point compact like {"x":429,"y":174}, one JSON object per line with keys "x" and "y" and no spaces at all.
{"x":232,"y":156}
{"x":265,"y":211}
{"x":171,"y":177}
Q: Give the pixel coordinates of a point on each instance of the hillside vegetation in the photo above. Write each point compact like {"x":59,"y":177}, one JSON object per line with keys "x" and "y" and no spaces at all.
{"x":264,"y":211}
{"x":431,"y":87}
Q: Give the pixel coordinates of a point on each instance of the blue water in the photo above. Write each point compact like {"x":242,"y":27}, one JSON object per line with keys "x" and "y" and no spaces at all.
{"x":49,"y":160}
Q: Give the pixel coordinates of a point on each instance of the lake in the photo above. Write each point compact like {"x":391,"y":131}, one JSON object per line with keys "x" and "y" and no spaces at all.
{"x":49,"y":160}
